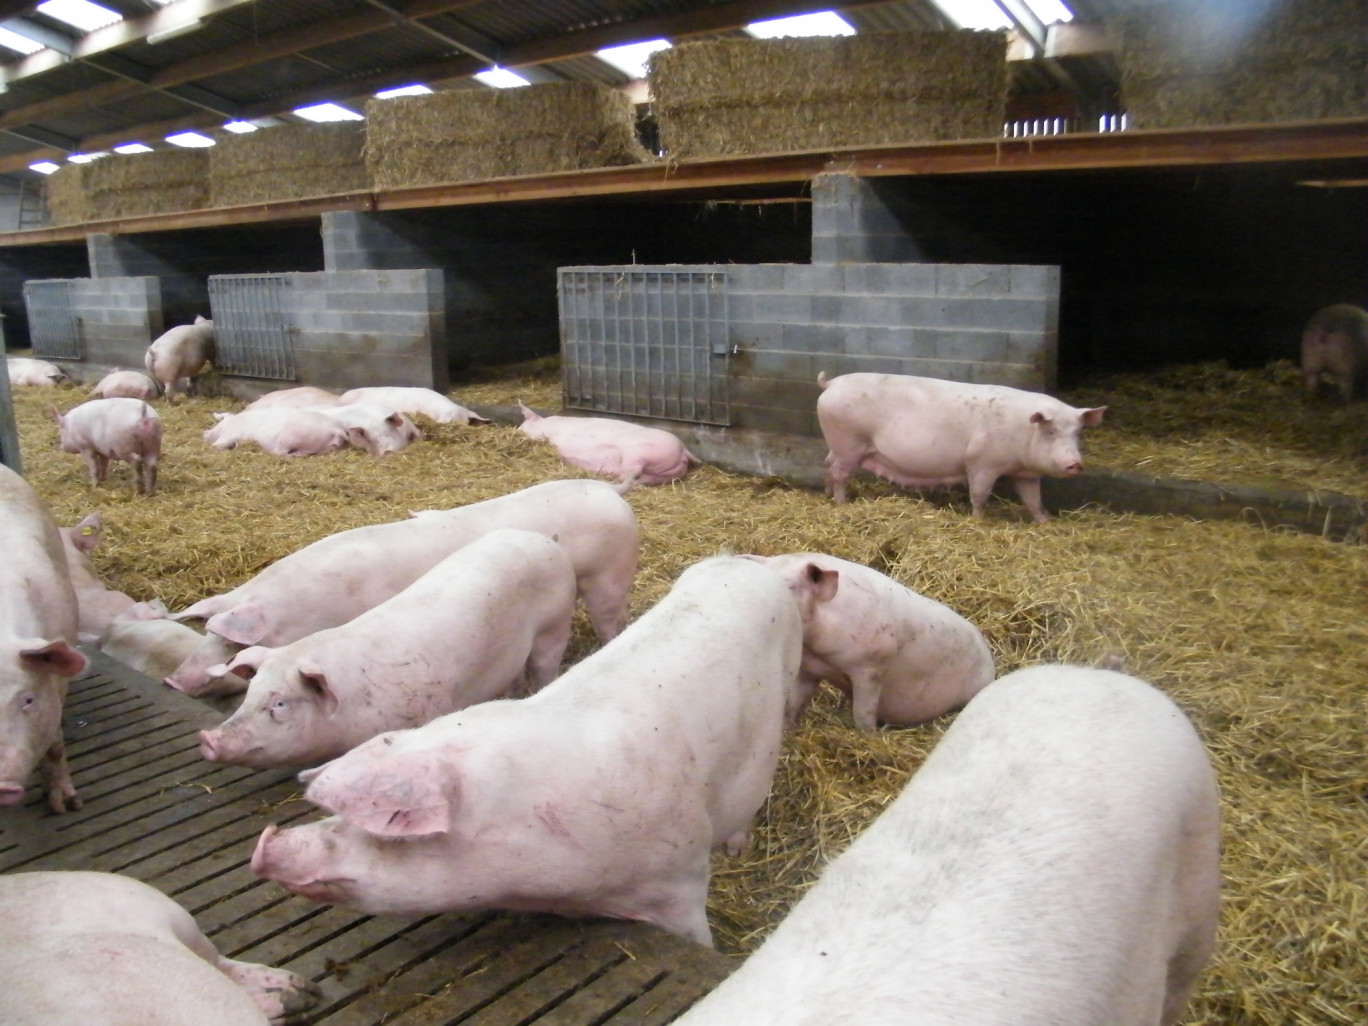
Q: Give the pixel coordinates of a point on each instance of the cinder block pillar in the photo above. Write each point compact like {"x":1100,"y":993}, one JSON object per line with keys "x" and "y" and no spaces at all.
{"x":854,"y":220}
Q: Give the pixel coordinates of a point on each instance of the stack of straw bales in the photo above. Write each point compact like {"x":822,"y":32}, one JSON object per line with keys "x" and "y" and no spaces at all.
{"x":288,"y":162}
{"x":128,"y":185}
{"x":735,"y":97}
{"x":464,"y":134}
{"x":1216,"y":64}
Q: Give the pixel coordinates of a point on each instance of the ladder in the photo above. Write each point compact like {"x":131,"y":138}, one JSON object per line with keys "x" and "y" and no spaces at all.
{"x":32,"y":212}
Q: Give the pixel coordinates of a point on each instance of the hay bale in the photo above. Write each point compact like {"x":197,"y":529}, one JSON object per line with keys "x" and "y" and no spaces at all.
{"x":129,"y":185}
{"x":463,"y":135}
{"x":1202,"y":64}
{"x":288,"y":162}
{"x":745,"y":96}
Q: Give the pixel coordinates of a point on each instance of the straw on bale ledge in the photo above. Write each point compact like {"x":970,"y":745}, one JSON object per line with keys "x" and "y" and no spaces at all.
{"x":128,"y":185}
{"x":733,"y":97}
{"x":461,"y":135}
{"x":1258,"y":635}
{"x":288,"y":162}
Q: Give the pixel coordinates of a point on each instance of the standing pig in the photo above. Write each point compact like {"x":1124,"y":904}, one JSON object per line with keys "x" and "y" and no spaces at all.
{"x":928,"y":433}
{"x":424,"y":402}
{"x":279,"y":430}
{"x":443,"y":643}
{"x":24,"y":370}
{"x":632,"y":453}
{"x":179,"y":354}
{"x":600,"y":795}
{"x":338,"y":578}
{"x":96,"y":604}
{"x":98,"y":948}
{"x":902,"y":657}
{"x":372,"y":428}
{"x":1056,"y":859}
{"x":1334,"y":348}
{"x":101,"y":430}
{"x":37,"y":634}
{"x":125,"y":384}
{"x":293,"y":398}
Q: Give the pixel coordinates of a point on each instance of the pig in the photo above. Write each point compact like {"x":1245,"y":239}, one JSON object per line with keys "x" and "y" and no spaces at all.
{"x":1056,"y":859}
{"x":423,"y":402}
{"x":180,"y":353}
{"x":902,"y":657}
{"x":443,"y":643}
{"x":100,"y":430}
{"x":293,"y":398}
{"x":372,"y":428}
{"x":1334,"y":349}
{"x":125,"y":384}
{"x":144,"y":638}
{"x":38,"y":618}
{"x":283,"y":431}
{"x":24,"y":370}
{"x":96,"y":604}
{"x":631,"y":453}
{"x":928,"y":433}
{"x":87,"y":947}
{"x":339,"y":577}
{"x":599,"y":795}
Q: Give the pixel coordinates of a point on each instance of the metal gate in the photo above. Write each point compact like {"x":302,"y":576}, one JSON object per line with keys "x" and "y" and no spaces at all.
{"x":54,"y":328}
{"x":251,"y":335}
{"x":648,"y":342}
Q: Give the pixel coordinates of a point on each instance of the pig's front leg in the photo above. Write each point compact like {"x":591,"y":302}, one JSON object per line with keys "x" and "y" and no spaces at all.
{"x":798,"y":698}
{"x":1028,"y":490}
{"x":279,"y":993}
{"x":981,"y":481}
{"x":97,"y":467}
{"x":866,"y":686}
{"x":61,"y":792}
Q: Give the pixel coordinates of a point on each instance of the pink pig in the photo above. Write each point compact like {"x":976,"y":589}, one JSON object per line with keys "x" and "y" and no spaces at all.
{"x":902,"y":657}
{"x":928,"y":433}
{"x":425,"y":402}
{"x":293,"y":398}
{"x":126,"y":384}
{"x":179,"y":353}
{"x":370,"y":427}
{"x":631,"y":453}
{"x":443,"y":643}
{"x":24,"y":370}
{"x":98,"y":605}
{"x":283,"y":431}
{"x":1334,"y":349}
{"x":101,"y":430}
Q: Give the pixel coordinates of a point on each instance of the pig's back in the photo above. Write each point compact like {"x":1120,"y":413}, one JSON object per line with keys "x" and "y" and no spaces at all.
{"x":37,"y":598}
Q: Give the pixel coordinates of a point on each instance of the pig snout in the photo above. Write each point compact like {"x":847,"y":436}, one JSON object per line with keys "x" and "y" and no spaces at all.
{"x":211,"y":745}
{"x":1073,"y":469}
{"x":10,"y":793}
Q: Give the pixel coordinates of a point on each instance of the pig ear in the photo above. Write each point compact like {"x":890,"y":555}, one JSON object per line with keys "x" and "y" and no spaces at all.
{"x":395,"y":420}
{"x":400,"y":801}
{"x":360,"y":437}
{"x":87,"y":533}
{"x":1040,"y":418}
{"x":56,"y":415}
{"x":528,"y":415}
{"x":244,"y":624}
{"x":824,"y":582}
{"x":57,"y":656}
{"x":245,"y":664}
{"x":316,"y":685}
{"x":1092,"y":417}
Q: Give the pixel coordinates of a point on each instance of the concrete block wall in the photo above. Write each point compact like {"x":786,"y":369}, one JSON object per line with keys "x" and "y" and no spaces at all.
{"x":118,"y":318}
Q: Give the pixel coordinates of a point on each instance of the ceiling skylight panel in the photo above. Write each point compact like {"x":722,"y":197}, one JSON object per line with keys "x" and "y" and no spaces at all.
{"x":501,"y":78}
{"x":1049,"y":11}
{"x":23,"y":44}
{"x":190,"y":140}
{"x":820,"y":23}
{"x":327,"y":112}
{"x":974,"y":14}
{"x":631,"y":58}
{"x":81,"y":14}
{"x":417,"y":89}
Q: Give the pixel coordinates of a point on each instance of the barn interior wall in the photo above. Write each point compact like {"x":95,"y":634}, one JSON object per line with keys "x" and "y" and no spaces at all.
{"x":19,"y":264}
{"x":116,"y":319}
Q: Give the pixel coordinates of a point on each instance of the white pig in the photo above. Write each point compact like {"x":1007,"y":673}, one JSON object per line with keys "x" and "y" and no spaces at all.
{"x":1334,"y":348}
{"x":601,"y":795}
{"x":96,"y":604}
{"x":37,"y":635}
{"x":100,"y":430}
{"x":928,"y":433}
{"x":372,"y":428}
{"x":445,"y":642}
{"x":414,"y":401}
{"x":1056,"y":859}
{"x":293,"y":398}
{"x":902,"y":657}
{"x":339,"y":577}
{"x":631,"y":453}
{"x":144,"y":638}
{"x":283,"y":431}
{"x":180,"y":353}
{"x":84,"y":948}
{"x":24,"y":370}
{"x":125,"y":384}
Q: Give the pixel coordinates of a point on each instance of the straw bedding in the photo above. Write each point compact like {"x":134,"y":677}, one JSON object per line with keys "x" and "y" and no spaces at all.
{"x":1259,"y":635}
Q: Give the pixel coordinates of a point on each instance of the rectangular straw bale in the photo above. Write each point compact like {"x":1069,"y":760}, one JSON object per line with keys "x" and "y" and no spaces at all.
{"x":129,"y":185}
{"x":734,"y":97}
{"x":1188,"y":64}
{"x":464,"y":135}
{"x":288,"y":162}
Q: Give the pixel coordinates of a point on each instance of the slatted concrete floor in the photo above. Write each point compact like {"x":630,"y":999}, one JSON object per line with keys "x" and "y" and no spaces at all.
{"x":156,"y":811}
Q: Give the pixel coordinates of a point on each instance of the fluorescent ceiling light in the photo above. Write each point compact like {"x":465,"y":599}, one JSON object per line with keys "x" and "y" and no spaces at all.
{"x":417,"y":89}
{"x":1049,"y":11}
{"x":86,"y":158}
{"x":189,"y":139}
{"x":822,"y":23}
{"x":240,"y":127}
{"x":162,"y":35}
{"x":133,"y":148}
{"x":328,"y":112}
{"x":631,"y":59}
{"x":81,"y":14}
{"x":501,"y":78}
{"x":14,"y":41}
{"x":44,"y":167}
{"x":974,"y":14}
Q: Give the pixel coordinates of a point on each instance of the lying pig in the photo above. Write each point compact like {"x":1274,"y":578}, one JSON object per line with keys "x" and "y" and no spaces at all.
{"x":283,"y":431}
{"x":293,"y":398}
{"x":24,"y":370}
{"x":37,"y":654}
{"x":1334,"y":349}
{"x":100,"y":430}
{"x":125,"y":384}
{"x":902,"y":657}
{"x":600,"y":795}
{"x":372,"y":428}
{"x":631,"y":453}
{"x":338,"y":578}
{"x":96,"y":604}
{"x":180,"y":353}
{"x":88,"y":948}
{"x":1056,"y":859}
{"x":144,"y":638}
{"x":443,"y":643}
{"x":928,"y":433}
{"x":424,"y":402}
